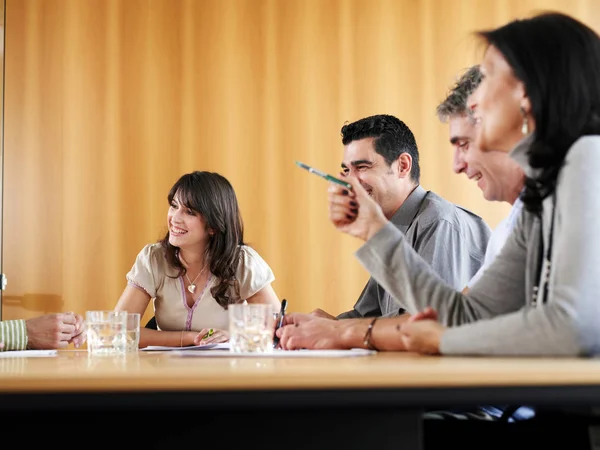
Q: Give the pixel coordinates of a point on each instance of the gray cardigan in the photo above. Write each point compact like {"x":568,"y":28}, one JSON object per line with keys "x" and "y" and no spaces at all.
{"x":498,"y":315}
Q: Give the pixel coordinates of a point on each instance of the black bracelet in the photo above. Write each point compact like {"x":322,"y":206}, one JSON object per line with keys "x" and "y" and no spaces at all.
{"x":367,"y":338}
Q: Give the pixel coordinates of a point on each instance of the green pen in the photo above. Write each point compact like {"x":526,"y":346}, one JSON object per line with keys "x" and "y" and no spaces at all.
{"x":324,"y":175}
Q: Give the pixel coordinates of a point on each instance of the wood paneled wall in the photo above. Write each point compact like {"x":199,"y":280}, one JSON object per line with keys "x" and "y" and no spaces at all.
{"x":108,"y":102}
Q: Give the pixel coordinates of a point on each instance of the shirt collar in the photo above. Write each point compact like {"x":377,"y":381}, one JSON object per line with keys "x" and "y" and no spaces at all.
{"x":404,"y":216}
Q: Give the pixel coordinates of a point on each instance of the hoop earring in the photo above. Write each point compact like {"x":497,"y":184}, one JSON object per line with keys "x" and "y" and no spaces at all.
{"x":525,"y":126}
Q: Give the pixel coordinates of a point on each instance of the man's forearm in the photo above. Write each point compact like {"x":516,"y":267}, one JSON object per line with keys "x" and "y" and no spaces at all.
{"x":13,"y":333}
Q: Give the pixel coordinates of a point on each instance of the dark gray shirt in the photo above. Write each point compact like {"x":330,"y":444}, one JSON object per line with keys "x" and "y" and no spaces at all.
{"x":450,"y":239}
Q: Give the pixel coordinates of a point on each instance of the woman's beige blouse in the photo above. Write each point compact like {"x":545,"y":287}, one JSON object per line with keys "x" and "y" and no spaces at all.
{"x":171,"y":310}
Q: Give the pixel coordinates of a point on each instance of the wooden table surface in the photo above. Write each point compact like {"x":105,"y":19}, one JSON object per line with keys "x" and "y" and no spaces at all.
{"x":76,"y":371}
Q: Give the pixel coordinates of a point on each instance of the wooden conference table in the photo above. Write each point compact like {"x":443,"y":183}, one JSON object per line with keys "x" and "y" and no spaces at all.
{"x":356,"y":402}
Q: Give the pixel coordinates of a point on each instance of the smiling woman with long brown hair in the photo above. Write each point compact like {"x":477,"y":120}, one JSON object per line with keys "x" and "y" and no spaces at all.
{"x":201,"y":266}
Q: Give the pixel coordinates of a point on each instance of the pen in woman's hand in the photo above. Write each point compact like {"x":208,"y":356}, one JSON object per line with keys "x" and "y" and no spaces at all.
{"x":279,"y":322}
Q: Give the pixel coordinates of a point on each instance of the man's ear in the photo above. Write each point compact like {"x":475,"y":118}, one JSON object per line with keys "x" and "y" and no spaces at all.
{"x":403,"y":165}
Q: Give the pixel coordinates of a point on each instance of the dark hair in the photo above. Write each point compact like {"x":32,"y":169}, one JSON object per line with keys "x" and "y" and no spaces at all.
{"x":392,"y":138}
{"x":558,"y":60}
{"x":213,"y":197}
{"x":455,"y":103}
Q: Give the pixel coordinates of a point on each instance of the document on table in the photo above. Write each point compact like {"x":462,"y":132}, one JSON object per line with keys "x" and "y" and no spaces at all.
{"x":283,"y":353}
{"x":160,"y":348}
{"x":27,"y":353}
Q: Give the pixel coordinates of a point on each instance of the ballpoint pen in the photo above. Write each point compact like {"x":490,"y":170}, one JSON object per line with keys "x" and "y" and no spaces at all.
{"x":324,"y":175}
{"x":279,"y":322}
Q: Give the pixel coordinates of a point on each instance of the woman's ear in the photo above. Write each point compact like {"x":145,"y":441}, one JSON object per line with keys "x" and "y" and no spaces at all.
{"x":521,"y":93}
{"x":527,"y":116}
{"x":526,"y":105}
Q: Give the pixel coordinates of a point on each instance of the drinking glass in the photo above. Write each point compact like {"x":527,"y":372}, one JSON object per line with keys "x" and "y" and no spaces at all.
{"x":251,"y":328}
{"x":106,"y":332}
{"x":133,"y":332}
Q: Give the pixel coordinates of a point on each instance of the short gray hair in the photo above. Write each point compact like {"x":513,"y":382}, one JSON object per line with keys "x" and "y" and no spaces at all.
{"x":455,"y":103}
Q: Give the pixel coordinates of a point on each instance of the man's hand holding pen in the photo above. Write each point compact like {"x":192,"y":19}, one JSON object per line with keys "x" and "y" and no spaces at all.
{"x":308,"y":331}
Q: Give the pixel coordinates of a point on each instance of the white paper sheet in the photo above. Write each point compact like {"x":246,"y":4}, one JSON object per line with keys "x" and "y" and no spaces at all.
{"x":159,"y":348}
{"x":27,"y":353}
{"x":283,"y":353}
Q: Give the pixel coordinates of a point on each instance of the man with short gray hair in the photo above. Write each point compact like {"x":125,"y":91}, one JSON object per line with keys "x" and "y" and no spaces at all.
{"x":498,"y":176}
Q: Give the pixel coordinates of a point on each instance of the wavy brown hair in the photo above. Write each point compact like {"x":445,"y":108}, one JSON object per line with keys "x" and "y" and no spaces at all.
{"x":212,"y":196}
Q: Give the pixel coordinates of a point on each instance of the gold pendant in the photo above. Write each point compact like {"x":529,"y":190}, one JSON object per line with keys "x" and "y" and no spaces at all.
{"x":192,"y":288}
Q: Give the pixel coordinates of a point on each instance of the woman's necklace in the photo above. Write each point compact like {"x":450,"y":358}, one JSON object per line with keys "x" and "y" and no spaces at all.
{"x":192,"y":285}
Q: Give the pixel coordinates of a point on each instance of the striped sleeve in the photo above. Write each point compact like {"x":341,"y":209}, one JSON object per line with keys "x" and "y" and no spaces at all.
{"x":13,"y":334}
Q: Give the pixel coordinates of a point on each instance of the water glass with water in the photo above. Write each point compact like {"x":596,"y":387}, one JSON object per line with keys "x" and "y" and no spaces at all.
{"x":133,"y":332}
{"x":106,"y":332}
{"x":251,"y":328}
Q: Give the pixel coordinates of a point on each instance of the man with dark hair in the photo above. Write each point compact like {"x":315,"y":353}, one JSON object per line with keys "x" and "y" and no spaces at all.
{"x":382,"y":153}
